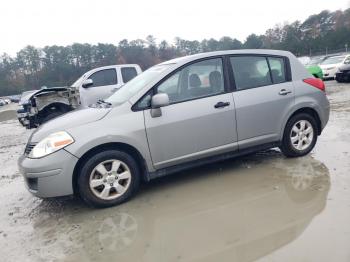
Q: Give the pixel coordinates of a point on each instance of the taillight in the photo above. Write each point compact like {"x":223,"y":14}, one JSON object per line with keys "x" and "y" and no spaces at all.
{"x":315,"y":82}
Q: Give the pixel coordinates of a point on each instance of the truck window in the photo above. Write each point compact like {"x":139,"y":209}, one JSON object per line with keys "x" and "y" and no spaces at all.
{"x":104,"y":77}
{"x":128,"y":73}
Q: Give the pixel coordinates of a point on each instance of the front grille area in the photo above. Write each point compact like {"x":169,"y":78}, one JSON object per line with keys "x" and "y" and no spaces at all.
{"x":29,"y":148}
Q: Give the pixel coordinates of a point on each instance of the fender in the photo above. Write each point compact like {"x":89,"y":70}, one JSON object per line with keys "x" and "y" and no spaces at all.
{"x":307,"y":104}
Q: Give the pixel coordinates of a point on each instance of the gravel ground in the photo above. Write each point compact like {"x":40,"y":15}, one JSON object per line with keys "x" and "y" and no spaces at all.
{"x":261,"y":207}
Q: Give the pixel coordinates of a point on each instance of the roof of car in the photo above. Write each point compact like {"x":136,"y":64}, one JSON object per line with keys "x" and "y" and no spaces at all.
{"x":226,"y":52}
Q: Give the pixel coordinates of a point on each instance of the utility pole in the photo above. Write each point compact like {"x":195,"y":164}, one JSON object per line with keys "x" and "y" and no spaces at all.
{"x":346,"y":48}
{"x":326,"y":50}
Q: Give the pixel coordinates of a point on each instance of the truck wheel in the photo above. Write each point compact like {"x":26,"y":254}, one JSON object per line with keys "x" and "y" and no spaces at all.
{"x":300,"y":135}
{"x":108,"y":178}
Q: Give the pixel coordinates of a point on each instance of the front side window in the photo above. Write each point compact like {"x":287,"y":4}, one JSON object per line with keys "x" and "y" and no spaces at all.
{"x":250,"y":71}
{"x":104,"y":77}
{"x":128,"y":73}
{"x":201,"y":79}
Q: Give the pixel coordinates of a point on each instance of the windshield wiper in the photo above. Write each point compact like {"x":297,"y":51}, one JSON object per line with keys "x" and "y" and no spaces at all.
{"x":101,"y":103}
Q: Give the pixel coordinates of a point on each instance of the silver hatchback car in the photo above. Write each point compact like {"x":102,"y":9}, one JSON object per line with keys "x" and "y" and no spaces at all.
{"x":176,"y":115}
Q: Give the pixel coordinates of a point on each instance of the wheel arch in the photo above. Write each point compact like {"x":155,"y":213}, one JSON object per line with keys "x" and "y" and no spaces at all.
{"x":306,"y":110}
{"x":60,"y":105}
{"x":111,"y":146}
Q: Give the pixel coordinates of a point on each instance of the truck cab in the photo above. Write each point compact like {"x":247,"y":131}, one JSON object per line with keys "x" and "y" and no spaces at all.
{"x":97,"y":84}
{"x":100,"y":83}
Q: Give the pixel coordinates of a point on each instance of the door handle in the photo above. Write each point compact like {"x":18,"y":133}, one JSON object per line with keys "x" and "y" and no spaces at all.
{"x":221,"y":104}
{"x":284,"y":92}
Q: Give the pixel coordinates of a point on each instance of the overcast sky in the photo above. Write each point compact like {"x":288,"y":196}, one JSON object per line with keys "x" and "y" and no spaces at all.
{"x":63,"y":22}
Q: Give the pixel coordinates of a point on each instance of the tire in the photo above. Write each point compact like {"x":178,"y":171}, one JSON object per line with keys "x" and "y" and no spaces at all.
{"x":339,"y":80}
{"x":112,"y":187}
{"x":303,"y":142}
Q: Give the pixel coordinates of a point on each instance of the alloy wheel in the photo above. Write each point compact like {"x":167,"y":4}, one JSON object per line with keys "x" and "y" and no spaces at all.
{"x":110,"y":179}
{"x":301,"y":135}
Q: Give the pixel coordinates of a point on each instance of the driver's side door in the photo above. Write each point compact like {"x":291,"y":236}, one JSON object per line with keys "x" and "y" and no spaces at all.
{"x":200,"y":120}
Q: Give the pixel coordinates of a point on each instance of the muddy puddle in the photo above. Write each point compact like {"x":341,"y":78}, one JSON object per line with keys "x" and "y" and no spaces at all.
{"x":240,"y":209}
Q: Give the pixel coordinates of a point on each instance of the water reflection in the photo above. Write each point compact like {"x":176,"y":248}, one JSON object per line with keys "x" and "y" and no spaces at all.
{"x":237,"y":210}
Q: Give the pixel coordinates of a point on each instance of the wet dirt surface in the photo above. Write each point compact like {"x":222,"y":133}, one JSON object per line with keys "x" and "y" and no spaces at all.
{"x":260,"y":207}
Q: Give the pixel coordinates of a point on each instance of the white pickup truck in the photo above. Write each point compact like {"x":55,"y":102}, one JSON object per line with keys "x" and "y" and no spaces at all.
{"x":97,"y":84}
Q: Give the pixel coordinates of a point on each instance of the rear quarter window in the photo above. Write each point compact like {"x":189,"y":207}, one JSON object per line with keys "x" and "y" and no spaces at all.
{"x":278,"y":69}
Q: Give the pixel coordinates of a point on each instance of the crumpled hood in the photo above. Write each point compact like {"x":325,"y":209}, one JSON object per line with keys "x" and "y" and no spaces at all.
{"x":69,"y":120}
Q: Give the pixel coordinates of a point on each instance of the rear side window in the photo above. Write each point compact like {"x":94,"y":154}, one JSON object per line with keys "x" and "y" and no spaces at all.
{"x":278,"y":69}
{"x":250,"y":71}
{"x":128,"y":73}
{"x":104,"y":77}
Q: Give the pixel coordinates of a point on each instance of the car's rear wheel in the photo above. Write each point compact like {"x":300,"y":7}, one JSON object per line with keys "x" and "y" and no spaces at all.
{"x":300,"y":135}
{"x":108,"y":178}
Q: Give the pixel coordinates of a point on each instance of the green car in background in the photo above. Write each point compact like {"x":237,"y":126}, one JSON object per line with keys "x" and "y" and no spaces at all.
{"x":315,"y":70}
{"x":311,"y":65}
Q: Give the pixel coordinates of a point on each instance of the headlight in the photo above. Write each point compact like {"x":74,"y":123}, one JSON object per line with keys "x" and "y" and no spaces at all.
{"x":50,"y":144}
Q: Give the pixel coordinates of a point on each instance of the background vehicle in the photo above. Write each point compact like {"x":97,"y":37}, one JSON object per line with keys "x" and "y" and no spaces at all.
{"x":312,"y":65}
{"x":2,"y":102}
{"x":343,"y":73}
{"x":179,"y":114}
{"x":331,"y":64}
{"x":42,"y":105}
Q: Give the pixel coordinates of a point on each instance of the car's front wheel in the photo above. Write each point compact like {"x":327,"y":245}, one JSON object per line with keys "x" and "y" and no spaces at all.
{"x":300,"y":135}
{"x":108,"y":178}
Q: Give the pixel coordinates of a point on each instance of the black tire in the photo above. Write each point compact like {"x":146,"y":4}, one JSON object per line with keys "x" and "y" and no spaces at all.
{"x":83,"y":180}
{"x":286,"y":146}
{"x":339,"y":80}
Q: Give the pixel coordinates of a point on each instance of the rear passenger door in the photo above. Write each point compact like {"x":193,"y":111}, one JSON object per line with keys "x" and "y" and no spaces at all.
{"x":263,"y":96}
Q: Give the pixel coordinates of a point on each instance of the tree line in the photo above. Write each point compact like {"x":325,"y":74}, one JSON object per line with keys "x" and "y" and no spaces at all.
{"x":56,"y":65}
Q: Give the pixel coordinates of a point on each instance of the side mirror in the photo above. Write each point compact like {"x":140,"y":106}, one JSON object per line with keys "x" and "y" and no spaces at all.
{"x":158,"y":101}
{"x":87,"y":83}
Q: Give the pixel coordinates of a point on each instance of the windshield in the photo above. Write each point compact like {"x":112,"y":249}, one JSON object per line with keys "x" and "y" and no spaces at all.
{"x":77,"y":83}
{"x":136,"y":84}
{"x":333,"y":60}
